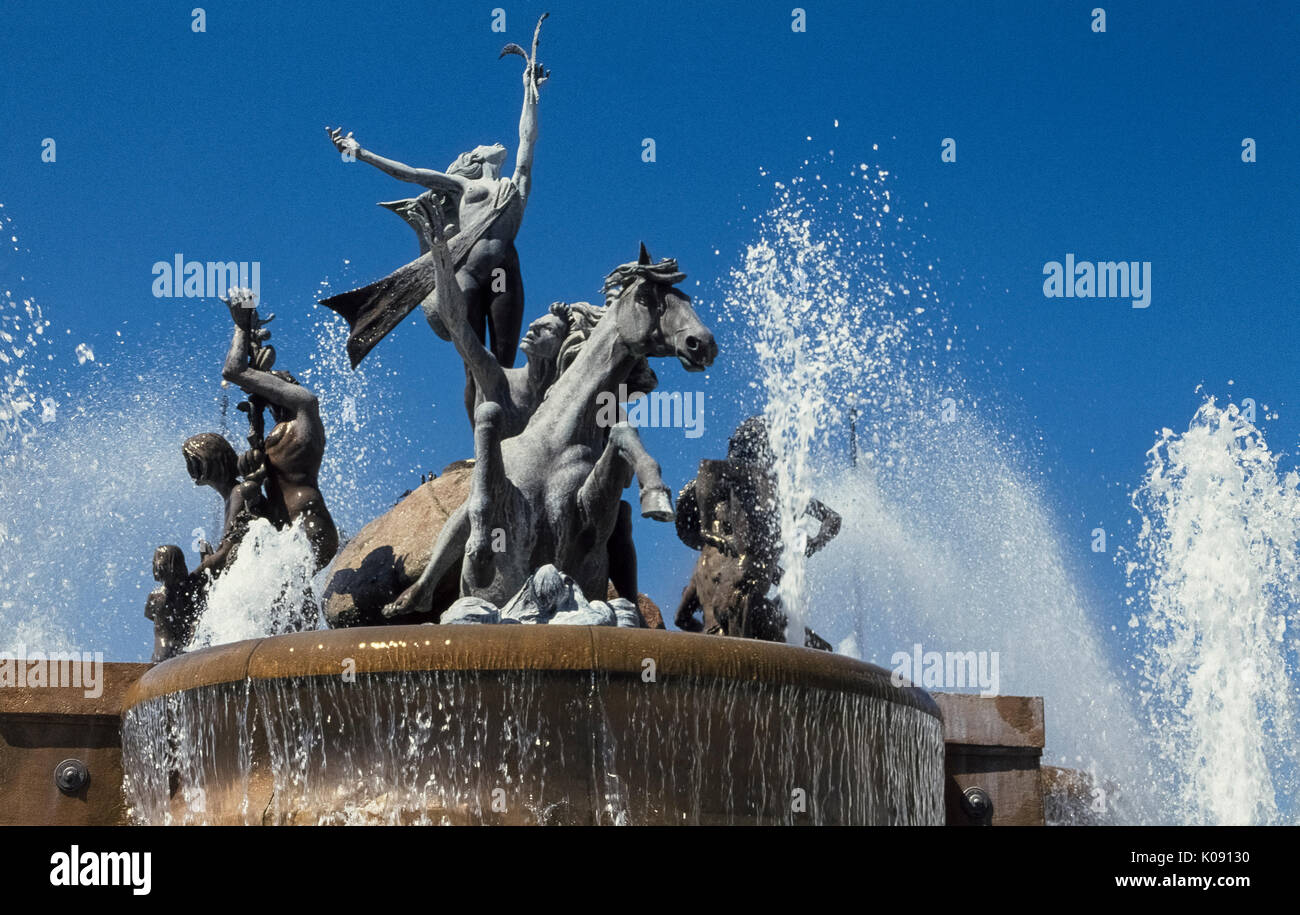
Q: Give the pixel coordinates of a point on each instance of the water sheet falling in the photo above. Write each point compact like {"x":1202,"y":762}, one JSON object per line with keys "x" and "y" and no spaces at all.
{"x":526,"y":746}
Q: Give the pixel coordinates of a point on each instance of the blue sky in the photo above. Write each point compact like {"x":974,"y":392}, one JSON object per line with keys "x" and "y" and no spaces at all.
{"x":1123,"y":145}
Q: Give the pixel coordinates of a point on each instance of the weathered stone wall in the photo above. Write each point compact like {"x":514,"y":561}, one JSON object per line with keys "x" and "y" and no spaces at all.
{"x":993,"y":743}
{"x":41,"y":727}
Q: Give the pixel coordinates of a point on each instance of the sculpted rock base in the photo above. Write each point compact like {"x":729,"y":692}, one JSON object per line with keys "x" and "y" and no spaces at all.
{"x":388,"y":554}
{"x":549,"y":596}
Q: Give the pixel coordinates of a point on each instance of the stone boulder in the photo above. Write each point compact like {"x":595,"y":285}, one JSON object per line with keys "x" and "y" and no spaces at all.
{"x":388,"y":555}
{"x":649,"y":609}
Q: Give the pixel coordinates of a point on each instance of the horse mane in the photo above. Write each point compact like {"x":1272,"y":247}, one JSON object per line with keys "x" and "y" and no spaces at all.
{"x":583,"y":318}
{"x":624,"y":275}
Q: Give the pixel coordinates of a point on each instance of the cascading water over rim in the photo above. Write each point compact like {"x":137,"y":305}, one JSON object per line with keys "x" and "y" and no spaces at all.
{"x":523,"y":724}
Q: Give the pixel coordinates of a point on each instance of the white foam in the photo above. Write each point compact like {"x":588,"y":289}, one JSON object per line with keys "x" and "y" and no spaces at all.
{"x":1218,"y":576}
{"x":266,"y":590}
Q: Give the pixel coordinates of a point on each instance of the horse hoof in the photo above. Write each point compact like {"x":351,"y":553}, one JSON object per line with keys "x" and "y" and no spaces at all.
{"x":657,"y":505}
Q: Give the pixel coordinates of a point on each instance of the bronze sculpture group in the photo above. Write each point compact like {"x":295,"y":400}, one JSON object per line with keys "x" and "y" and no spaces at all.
{"x":729,"y":513}
{"x":275,"y":479}
{"x":541,"y":532}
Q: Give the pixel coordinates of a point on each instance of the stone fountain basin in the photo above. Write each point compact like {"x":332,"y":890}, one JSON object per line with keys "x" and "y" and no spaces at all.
{"x":517,"y":724}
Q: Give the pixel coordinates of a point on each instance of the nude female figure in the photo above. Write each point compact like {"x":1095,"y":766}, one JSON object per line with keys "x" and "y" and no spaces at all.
{"x":484,"y":212}
{"x":517,"y":391}
{"x":295,"y":446}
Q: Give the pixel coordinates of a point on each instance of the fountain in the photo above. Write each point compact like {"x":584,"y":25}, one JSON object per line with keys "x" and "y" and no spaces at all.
{"x":527,"y":725}
{"x":481,"y":648}
{"x":493,"y":661}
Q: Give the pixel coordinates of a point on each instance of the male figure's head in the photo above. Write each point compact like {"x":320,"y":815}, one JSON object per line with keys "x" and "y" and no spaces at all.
{"x":750,"y":443}
{"x":211,"y":461}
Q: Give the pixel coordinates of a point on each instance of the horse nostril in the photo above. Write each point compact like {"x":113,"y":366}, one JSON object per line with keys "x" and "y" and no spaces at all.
{"x":699,"y":348}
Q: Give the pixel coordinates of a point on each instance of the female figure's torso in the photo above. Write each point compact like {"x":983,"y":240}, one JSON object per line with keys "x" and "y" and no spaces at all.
{"x":498,"y":201}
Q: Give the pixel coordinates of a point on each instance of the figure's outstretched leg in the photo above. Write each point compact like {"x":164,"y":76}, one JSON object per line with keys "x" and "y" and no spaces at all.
{"x":487,"y":487}
{"x":505,"y":311}
{"x":448,"y":551}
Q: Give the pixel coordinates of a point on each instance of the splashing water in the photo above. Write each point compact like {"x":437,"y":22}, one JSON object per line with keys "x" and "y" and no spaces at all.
{"x":23,"y":339}
{"x":92,"y":479}
{"x":267,"y":590}
{"x":815,"y":299}
{"x":22,"y":328}
{"x":66,"y":464}
{"x":953,"y":547}
{"x":1219,"y":575}
{"x":947,"y":540}
{"x":358,"y":467}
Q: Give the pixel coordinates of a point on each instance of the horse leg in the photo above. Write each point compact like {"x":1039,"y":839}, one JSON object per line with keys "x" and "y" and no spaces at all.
{"x":448,"y":550}
{"x":600,"y":493}
{"x":656,"y":498}
{"x":487,"y":490}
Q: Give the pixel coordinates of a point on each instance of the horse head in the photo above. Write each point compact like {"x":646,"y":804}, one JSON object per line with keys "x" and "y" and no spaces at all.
{"x":654,"y":317}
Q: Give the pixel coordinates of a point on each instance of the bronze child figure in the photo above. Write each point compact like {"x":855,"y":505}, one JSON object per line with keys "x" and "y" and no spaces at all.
{"x":289,"y":458}
{"x":729,"y":513}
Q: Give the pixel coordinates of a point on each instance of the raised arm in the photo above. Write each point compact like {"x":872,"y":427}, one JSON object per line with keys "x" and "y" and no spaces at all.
{"x":523,"y":177}
{"x":255,"y":381}
{"x":534,"y":75}
{"x":427,"y":177}
{"x":448,"y":303}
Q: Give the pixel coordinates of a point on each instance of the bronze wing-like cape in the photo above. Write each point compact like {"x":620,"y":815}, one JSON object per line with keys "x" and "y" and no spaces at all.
{"x":374,"y":310}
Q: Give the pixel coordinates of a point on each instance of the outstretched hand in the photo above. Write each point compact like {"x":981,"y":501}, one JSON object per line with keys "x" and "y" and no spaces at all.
{"x":344,"y":144}
{"x":243,"y":307}
{"x":534,"y":73}
{"x":534,"y":76}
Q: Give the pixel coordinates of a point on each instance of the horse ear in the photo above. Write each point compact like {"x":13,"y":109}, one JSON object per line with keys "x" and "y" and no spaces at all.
{"x":645,"y":255}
